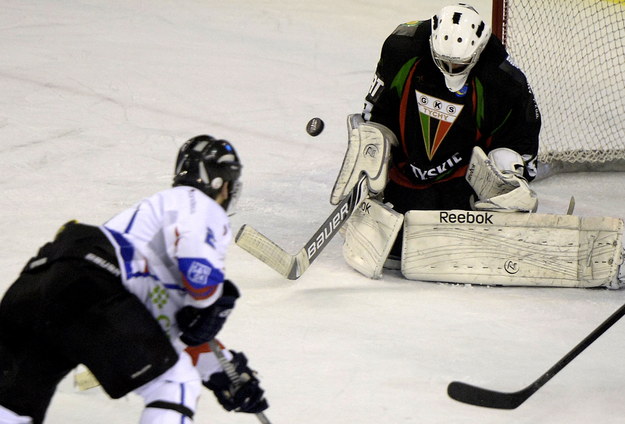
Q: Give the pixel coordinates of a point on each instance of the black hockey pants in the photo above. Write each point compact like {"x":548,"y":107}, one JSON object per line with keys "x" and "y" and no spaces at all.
{"x":66,"y":310}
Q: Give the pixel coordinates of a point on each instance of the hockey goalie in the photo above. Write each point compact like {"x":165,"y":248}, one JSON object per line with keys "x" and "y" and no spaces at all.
{"x":448,"y":140}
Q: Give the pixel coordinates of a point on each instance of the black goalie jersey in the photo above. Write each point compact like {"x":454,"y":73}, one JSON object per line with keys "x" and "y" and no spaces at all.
{"x":437,"y":129}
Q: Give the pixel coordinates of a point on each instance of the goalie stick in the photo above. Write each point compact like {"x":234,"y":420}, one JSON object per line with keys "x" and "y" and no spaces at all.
{"x":232,"y":374}
{"x":478,"y":396}
{"x":293,"y":266}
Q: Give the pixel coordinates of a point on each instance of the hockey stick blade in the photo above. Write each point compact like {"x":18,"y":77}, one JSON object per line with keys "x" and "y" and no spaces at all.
{"x":255,"y":243}
{"x":293,"y":266}
{"x":478,"y":396}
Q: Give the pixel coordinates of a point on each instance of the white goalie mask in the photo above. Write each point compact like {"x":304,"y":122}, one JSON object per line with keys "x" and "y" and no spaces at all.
{"x":459,"y":34}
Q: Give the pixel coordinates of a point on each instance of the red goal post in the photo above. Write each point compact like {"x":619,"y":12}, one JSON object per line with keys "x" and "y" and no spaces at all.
{"x":573,"y":54}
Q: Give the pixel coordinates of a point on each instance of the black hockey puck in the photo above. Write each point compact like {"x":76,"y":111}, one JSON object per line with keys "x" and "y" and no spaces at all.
{"x":314,"y":127}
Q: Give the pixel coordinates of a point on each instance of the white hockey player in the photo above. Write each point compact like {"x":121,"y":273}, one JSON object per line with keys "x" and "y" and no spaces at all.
{"x":135,"y":300}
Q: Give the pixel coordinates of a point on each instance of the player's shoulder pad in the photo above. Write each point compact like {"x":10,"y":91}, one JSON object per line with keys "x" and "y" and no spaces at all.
{"x":409,"y":29}
{"x":496,"y":58}
{"x":408,"y":40}
{"x":513,"y":72}
{"x":494,"y":52}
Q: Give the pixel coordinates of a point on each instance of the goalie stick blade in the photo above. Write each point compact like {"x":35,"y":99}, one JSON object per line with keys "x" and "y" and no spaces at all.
{"x":473,"y":395}
{"x":293,"y":266}
{"x":267,"y":251}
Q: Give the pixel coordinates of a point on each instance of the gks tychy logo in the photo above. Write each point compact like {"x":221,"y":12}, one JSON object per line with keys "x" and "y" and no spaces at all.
{"x":437,"y":116}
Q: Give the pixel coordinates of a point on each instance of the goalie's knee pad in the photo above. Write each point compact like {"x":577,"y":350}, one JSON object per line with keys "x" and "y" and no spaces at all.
{"x":369,"y":235}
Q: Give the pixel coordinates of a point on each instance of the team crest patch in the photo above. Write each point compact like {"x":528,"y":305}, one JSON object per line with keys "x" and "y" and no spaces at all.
{"x":437,"y":117}
{"x":198,"y":273}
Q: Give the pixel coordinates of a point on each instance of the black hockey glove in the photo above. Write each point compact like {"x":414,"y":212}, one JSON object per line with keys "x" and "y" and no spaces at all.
{"x":201,"y":325}
{"x":248,"y":397}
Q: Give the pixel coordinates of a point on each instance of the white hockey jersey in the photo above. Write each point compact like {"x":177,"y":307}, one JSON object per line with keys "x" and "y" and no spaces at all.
{"x":171,"y":248}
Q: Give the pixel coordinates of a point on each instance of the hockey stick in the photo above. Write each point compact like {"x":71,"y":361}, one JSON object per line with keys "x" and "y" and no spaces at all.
{"x":232,"y":374}
{"x":478,"y":396}
{"x":293,"y":266}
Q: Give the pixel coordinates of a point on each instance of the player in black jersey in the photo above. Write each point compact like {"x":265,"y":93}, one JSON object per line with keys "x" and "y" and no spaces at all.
{"x":449,"y":123}
{"x":443,"y":86}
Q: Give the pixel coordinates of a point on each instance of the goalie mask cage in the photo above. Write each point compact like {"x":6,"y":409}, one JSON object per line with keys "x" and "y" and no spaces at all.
{"x":573,"y":54}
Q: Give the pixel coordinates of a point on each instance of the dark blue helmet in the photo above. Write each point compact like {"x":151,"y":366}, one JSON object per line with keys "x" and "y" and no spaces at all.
{"x":207,"y":164}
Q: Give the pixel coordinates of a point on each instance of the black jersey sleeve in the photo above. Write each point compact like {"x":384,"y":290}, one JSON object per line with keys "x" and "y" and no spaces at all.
{"x":407,"y":43}
{"x":519,"y":129}
{"x":511,"y":115}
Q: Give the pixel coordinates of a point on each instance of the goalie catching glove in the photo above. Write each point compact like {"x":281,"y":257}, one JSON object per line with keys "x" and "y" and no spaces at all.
{"x":499,"y":183}
{"x":199,"y":325}
{"x":248,"y":397}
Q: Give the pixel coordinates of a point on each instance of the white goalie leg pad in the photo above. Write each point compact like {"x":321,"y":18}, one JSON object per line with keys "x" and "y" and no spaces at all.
{"x":507,"y":249}
{"x":368,"y":151}
{"x":498,"y":181}
{"x":369,"y":235}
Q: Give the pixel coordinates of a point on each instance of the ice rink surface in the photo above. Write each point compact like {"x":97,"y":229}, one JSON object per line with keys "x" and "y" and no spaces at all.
{"x":98,"y":96}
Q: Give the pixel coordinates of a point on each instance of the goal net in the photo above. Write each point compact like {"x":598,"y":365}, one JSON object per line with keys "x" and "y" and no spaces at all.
{"x":573,"y":54}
